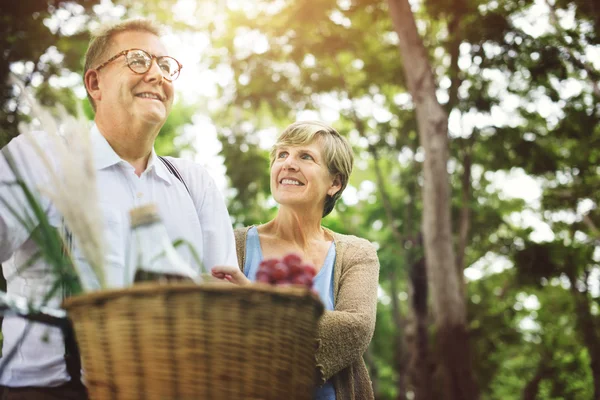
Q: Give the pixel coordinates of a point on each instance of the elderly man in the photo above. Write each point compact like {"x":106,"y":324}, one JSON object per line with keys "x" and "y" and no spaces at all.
{"x":129,"y":78}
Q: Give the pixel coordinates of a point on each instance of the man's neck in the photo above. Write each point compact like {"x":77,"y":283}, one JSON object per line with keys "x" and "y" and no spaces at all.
{"x":132,"y":143}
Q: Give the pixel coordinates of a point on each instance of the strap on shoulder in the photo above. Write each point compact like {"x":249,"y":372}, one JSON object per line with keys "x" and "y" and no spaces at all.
{"x":173,"y":170}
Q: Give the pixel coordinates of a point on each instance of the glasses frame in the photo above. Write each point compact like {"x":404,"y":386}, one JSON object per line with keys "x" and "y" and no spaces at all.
{"x":152,"y":57}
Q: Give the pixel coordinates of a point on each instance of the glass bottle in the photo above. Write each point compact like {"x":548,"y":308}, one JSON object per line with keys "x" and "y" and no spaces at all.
{"x":156,"y":258}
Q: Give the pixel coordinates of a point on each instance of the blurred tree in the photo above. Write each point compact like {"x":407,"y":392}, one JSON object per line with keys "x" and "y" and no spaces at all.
{"x":522,"y":98}
{"x":172,"y":139}
{"x":316,"y":60}
{"x":32,"y":51}
{"x":448,"y":301}
{"x":560,"y":149}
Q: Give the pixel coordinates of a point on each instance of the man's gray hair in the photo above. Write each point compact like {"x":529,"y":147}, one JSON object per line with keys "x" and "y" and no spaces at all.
{"x":101,"y":41}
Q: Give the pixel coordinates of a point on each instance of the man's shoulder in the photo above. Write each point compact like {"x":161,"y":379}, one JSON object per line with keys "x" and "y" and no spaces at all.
{"x":192,"y":172}
{"x":28,"y":150}
{"x":28,"y":140}
{"x":184,"y":165}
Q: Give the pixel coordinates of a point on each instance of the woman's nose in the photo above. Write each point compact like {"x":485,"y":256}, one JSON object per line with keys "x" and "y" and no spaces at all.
{"x":289,"y":163}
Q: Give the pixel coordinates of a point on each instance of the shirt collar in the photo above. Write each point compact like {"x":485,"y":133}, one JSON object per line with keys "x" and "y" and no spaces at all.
{"x":105,"y":156}
{"x":156,"y":165}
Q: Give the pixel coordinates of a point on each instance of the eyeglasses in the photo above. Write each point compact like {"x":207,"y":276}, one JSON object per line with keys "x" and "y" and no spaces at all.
{"x":140,"y":62}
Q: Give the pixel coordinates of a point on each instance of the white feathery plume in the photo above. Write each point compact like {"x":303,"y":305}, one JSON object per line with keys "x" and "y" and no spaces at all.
{"x":73,"y":188}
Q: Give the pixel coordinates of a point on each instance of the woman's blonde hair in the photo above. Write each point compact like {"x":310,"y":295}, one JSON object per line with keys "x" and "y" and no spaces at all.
{"x":101,"y":41}
{"x":337,"y":152}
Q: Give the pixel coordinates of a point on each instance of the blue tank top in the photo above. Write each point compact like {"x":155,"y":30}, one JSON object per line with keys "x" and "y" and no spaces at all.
{"x":322,"y":284}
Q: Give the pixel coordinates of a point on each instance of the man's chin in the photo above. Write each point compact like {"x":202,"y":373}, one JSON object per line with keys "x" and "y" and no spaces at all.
{"x":154,"y":117}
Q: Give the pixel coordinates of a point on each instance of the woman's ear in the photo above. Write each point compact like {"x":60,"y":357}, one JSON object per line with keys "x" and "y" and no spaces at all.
{"x":92,"y":84}
{"x":336,"y":185}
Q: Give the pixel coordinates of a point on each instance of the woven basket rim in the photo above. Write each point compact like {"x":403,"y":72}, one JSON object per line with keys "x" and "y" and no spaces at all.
{"x":153,"y":288}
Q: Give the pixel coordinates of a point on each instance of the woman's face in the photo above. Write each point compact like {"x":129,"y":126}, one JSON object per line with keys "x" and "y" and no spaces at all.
{"x":299,"y":176}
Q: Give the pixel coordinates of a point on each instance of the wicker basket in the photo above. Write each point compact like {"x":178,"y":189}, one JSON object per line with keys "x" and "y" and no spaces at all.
{"x":214,"y":341}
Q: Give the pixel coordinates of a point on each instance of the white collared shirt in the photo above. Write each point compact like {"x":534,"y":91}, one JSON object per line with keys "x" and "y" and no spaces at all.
{"x":200,"y":218}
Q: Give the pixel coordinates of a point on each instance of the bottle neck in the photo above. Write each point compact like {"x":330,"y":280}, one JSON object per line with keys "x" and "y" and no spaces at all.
{"x":156,"y":254}
{"x":151,"y":240}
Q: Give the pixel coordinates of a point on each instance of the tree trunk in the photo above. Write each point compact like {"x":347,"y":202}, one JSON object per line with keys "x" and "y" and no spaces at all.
{"x":465,"y":214}
{"x":400,"y":348}
{"x":533,"y":386}
{"x":464,"y":224}
{"x":418,"y":350}
{"x":420,"y":363}
{"x":449,"y":308}
{"x":586,"y":325}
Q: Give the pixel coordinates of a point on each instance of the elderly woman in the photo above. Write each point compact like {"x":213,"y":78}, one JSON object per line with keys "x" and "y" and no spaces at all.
{"x":310,"y":167}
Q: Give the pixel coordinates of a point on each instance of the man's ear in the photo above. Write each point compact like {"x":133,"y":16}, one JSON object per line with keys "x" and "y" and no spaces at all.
{"x":92,"y":84}
{"x":336,"y":185}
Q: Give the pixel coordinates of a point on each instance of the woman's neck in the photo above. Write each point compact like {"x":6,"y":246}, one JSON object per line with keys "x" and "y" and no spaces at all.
{"x":298,"y":229}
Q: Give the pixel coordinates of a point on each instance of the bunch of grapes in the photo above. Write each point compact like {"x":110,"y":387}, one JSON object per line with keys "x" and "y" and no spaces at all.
{"x":286,"y":271}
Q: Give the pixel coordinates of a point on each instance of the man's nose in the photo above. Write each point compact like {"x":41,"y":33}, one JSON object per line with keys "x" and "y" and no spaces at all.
{"x":154,"y":73}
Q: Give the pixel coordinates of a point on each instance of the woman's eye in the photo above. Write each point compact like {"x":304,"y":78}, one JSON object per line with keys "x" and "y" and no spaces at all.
{"x":307,"y":157}
{"x":282,"y":154}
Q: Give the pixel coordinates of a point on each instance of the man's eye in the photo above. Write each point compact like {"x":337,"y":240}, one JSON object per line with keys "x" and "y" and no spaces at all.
{"x":166,"y":67}
{"x":138,"y":61}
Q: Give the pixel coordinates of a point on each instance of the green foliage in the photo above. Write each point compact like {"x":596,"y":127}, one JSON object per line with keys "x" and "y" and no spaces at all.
{"x":248,"y":170}
{"x":321,"y":50}
{"x":516,"y":352}
{"x":26,"y":39}
{"x":171,"y":140}
{"x":340,"y":60}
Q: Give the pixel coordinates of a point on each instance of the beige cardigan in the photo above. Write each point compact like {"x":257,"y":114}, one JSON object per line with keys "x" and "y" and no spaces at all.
{"x":345,"y":333}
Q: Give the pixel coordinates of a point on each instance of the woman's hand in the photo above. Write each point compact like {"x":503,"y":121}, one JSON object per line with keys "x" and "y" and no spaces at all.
{"x":231,"y":274}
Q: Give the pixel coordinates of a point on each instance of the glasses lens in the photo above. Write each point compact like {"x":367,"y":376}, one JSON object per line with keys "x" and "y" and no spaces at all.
{"x":169,"y":66}
{"x":139,"y":61}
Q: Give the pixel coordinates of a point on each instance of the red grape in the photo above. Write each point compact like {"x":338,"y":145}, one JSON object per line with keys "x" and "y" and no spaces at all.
{"x":309,"y":270}
{"x":263,"y":276}
{"x":269,"y":263}
{"x":288,"y":271}
{"x":296,"y":269}
{"x":302,"y":280}
{"x":292,"y":259}
{"x":280,"y":271}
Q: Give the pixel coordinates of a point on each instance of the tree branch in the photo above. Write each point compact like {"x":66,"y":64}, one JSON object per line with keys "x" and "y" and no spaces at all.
{"x":542,"y":372}
{"x":454,"y":33}
{"x":465,"y":210}
{"x":590,"y":224}
{"x":587,"y":327}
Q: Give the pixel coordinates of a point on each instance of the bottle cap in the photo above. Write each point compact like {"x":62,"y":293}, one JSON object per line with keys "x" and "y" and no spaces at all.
{"x":144,"y":215}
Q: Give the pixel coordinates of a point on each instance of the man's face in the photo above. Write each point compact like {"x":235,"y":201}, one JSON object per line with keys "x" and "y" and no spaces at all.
{"x":127,"y":97}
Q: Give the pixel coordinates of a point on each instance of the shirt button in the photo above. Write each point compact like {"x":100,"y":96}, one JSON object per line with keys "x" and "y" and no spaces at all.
{"x":140,"y":195}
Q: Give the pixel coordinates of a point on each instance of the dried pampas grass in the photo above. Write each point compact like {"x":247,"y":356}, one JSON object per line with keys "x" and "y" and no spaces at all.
{"x":72,"y":183}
